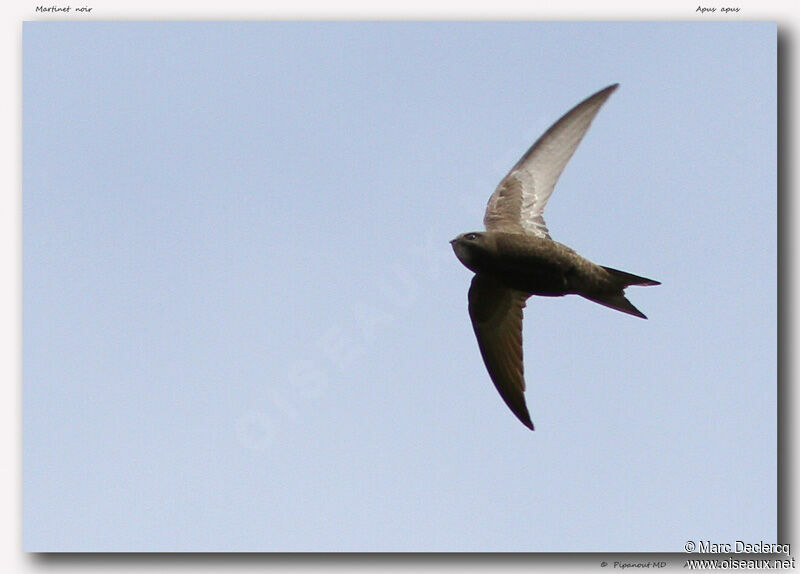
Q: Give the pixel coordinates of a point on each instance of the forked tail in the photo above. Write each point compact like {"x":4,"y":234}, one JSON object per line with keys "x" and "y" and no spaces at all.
{"x":615,"y":299}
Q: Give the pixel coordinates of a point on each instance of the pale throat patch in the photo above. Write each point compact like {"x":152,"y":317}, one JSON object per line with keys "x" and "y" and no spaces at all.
{"x":463,"y":253}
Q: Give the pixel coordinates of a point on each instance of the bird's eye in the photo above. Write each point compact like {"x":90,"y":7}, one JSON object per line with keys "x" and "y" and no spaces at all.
{"x":471,"y":236}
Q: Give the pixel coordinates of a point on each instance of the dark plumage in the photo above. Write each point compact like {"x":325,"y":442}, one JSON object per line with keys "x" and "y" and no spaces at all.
{"x":516,"y":258}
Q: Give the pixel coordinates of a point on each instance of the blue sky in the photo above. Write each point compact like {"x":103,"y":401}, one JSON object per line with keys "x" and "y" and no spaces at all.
{"x":244,"y":328}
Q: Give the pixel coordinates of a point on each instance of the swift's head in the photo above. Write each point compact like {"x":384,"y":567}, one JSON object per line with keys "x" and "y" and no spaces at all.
{"x":470,"y":247}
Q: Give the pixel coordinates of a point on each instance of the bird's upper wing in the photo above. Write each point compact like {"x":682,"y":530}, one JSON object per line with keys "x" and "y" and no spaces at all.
{"x":496,"y":313}
{"x":518,"y":202}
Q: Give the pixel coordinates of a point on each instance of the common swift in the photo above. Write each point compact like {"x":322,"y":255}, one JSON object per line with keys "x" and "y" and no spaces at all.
{"x":516,"y":258}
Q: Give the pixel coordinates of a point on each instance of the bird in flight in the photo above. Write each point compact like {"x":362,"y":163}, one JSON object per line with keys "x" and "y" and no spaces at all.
{"x":516,"y":258}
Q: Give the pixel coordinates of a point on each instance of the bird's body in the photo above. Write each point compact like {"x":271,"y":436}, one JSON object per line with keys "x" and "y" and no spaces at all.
{"x":515,"y":257}
{"x":528,"y":263}
{"x":536,"y":266}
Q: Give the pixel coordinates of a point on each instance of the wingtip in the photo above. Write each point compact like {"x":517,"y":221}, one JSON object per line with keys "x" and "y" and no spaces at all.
{"x":527,"y":422}
{"x":602,"y":95}
{"x":607,"y":91}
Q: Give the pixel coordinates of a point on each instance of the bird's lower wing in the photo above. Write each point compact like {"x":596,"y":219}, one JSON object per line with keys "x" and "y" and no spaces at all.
{"x":496,"y":313}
